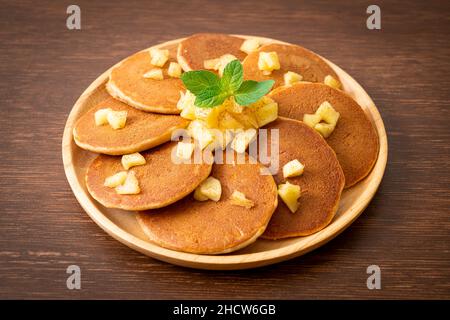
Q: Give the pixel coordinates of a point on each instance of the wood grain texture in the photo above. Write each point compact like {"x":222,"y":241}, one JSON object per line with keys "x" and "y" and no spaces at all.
{"x":405,"y":68}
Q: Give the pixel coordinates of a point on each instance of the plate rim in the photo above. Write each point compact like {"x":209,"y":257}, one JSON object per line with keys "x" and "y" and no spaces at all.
{"x":231,"y":261}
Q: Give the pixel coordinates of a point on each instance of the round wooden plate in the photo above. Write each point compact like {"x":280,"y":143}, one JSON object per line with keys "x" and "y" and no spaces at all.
{"x":123,"y":226}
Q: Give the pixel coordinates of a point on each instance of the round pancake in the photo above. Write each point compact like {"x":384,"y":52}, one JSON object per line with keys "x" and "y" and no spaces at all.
{"x":126,"y":83}
{"x":194,"y":50}
{"x":143,"y":130}
{"x":292,"y":58}
{"x":210,"y":227}
{"x":161,"y":181}
{"x":354,"y":139}
{"x":321,"y":183}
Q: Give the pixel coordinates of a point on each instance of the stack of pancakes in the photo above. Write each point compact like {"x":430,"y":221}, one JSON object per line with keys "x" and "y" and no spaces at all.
{"x":167,"y":210}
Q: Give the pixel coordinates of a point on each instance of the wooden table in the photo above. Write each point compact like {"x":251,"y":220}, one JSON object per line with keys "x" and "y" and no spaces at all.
{"x":405,"y":67}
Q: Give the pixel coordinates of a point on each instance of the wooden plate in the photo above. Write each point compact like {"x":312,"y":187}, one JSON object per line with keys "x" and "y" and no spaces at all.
{"x":122,"y":225}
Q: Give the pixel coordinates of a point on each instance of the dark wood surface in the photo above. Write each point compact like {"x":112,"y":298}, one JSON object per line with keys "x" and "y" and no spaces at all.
{"x":405,"y":67}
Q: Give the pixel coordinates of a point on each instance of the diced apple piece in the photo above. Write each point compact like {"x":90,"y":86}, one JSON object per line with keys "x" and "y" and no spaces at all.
{"x":332,"y":82}
{"x":208,"y":189}
{"x":196,"y":127}
{"x":202,"y":113}
{"x":132,"y":160}
{"x":232,"y":106}
{"x":311,"y":119}
{"x":198,"y":130}
{"x":116,"y":179}
{"x":266,"y":112}
{"x":227,"y":121}
{"x":250,"y":45}
{"x":199,"y":196}
{"x":101,"y":116}
{"x":236,"y":108}
{"x":242,"y":140}
{"x":219,"y":64}
{"x":184,"y":150}
{"x":209,"y":115}
{"x":290,"y":193}
{"x":221,"y":139}
{"x":155,"y":74}
{"x":325,"y":113}
{"x":291,"y":77}
{"x":204,"y":140}
{"x":117,"y":119}
{"x":130,"y":186}
{"x":247,"y":117}
{"x":186,"y":99}
{"x":186,"y":105}
{"x":325,"y":129}
{"x":268,"y":61}
{"x":188,"y":112}
{"x":328,"y":113}
{"x":293,"y":168}
{"x":159,"y":57}
{"x":239,"y":199}
{"x":211,"y":64}
{"x":174,"y":70}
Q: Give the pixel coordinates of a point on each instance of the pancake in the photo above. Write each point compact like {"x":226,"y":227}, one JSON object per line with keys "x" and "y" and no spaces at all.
{"x":161,"y":181}
{"x":354,"y":139}
{"x":292,"y":58}
{"x":194,"y":50}
{"x":215,"y":227}
{"x":143,"y":130}
{"x":126,"y":83}
{"x":321,"y":182}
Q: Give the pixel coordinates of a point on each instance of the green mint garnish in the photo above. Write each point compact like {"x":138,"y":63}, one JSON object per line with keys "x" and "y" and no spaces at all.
{"x":211,"y":91}
{"x":251,"y":91}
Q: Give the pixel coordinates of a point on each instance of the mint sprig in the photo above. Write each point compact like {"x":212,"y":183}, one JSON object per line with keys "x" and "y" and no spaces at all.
{"x":211,"y":91}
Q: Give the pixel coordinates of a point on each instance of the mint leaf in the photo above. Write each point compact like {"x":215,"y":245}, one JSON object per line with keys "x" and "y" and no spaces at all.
{"x":210,"y":97}
{"x":199,"y":80}
{"x":210,"y":90}
{"x":232,"y":78}
{"x":251,"y":91}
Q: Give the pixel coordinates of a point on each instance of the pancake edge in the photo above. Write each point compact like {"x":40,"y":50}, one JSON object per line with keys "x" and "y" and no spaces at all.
{"x":370,"y":168}
{"x":142,"y":208}
{"x":116,"y":93}
{"x":241,"y":245}
{"x":333,"y":210}
{"x":137,"y":147}
{"x":304,"y":234}
{"x":181,"y":60}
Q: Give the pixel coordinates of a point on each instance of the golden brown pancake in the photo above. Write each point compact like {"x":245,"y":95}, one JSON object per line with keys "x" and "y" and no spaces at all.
{"x":161,"y":181}
{"x":292,"y":58}
{"x":354,"y":139}
{"x":215,"y":227}
{"x":194,"y":50}
{"x":143,"y":130}
{"x":127,"y":84}
{"x":321,"y":182}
